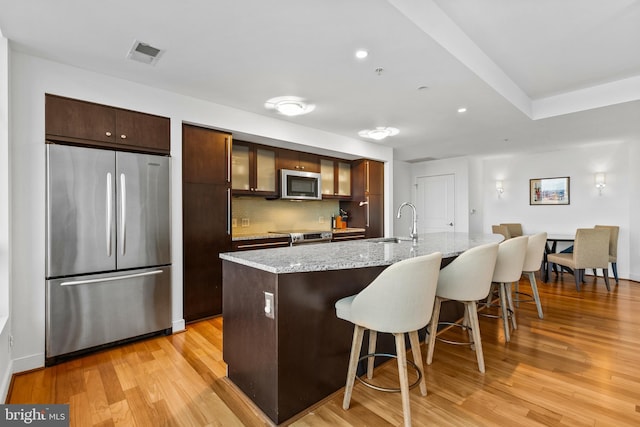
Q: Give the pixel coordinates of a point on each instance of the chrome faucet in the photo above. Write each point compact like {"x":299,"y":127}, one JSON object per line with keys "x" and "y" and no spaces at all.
{"x":414,"y":228}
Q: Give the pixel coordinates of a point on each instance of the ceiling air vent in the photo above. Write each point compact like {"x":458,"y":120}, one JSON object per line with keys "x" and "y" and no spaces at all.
{"x":143,"y":52}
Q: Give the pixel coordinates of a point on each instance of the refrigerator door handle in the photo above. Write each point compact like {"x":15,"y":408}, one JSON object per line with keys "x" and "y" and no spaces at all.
{"x":111,"y":279}
{"x":109,"y":211}
{"x":123,"y":212}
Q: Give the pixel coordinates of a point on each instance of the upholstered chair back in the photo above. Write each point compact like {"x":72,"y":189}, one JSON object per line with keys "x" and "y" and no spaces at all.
{"x":515,"y":229}
{"x":501,"y":229}
{"x":591,"y":248}
{"x":614,"y":231}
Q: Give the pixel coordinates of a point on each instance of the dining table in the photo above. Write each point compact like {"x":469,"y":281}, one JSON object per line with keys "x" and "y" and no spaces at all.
{"x":551,"y":248}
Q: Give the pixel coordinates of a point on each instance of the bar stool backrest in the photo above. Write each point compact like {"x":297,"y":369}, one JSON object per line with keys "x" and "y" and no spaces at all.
{"x":401,"y":298}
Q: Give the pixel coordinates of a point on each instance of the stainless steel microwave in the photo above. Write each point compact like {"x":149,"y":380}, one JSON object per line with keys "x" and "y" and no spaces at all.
{"x":299,"y":185}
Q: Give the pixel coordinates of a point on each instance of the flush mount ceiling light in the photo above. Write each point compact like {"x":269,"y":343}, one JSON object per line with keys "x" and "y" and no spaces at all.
{"x":289,"y":105}
{"x":462,"y":110}
{"x":361,"y":54}
{"x":378,"y":133}
{"x":143,"y":52}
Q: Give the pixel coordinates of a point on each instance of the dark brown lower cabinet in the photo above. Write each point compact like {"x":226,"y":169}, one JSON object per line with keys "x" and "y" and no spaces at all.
{"x":205,"y":216}
{"x":203,"y":220}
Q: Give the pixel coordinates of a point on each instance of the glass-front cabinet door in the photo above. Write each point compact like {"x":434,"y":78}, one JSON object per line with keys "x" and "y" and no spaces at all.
{"x":344,"y":179}
{"x":265,"y":170}
{"x":336,"y":178}
{"x":253,"y":170}
{"x":240,"y":167}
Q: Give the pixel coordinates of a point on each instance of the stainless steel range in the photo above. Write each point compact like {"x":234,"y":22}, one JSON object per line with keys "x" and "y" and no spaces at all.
{"x":300,"y":237}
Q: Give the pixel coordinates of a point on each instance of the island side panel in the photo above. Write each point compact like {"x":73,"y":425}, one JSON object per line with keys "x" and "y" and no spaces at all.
{"x":313,"y":344}
{"x":250,"y":346}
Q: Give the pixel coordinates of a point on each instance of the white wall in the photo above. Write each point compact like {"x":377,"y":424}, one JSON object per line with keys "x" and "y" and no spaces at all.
{"x":459,"y":167}
{"x":5,"y":230}
{"x":586,"y":207}
{"x":31,"y":78}
{"x":619,"y":203}
{"x":403,"y":191}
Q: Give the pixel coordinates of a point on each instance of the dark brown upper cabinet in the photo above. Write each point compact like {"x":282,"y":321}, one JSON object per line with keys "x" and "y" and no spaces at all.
{"x":336,"y":178}
{"x":366,"y":209}
{"x":297,"y":160}
{"x":86,"y":123}
{"x":254,"y":170}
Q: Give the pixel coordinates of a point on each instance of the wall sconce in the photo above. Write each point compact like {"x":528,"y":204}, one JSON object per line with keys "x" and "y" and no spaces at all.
{"x":600,"y":181}
{"x":499,"y":188}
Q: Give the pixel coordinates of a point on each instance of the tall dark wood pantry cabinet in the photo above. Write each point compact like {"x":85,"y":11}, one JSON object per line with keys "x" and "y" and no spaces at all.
{"x":206,"y":207}
{"x":366,"y":210}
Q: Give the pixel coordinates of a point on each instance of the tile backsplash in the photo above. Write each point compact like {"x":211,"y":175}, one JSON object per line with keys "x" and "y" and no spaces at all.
{"x":254,"y":215}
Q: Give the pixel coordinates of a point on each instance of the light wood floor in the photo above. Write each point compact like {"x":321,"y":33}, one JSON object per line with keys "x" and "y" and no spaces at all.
{"x":580,"y":366}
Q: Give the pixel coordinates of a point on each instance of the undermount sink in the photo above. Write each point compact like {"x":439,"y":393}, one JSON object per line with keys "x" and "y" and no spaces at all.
{"x":391,"y":240}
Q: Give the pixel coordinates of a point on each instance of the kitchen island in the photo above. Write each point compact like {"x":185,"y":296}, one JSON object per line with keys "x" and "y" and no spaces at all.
{"x":283,"y":344}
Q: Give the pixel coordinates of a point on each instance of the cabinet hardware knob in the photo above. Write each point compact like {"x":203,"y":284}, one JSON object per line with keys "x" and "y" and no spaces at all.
{"x":108,"y":133}
{"x":123,"y":136}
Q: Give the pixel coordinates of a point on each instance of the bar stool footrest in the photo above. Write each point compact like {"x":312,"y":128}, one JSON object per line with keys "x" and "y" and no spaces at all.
{"x":459,"y":325}
{"x":530,"y":297}
{"x":389,"y":389}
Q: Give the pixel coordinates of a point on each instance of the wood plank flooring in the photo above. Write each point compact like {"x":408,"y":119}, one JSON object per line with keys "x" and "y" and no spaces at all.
{"x":579,"y":366}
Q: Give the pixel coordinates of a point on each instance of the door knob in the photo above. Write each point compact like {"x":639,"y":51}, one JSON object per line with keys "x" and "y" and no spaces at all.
{"x":450,"y":224}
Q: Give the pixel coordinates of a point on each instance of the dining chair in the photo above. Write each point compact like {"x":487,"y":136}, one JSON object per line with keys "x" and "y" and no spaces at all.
{"x":590,"y":250}
{"x":614,"y":231}
{"x":399,"y":301}
{"x":501,"y":229}
{"x":466,"y":279}
{"x":533,"y":263}
{"x":515,"y":229}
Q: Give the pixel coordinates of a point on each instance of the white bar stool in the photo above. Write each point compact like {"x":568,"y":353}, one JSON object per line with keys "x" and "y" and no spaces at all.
{"x":400,"y":300}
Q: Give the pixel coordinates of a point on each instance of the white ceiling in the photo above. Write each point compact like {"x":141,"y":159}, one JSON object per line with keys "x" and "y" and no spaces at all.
{"x":534,"y":74}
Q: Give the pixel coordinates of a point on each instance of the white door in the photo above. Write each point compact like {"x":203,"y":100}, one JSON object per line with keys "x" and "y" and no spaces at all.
{"x":435,"y":203}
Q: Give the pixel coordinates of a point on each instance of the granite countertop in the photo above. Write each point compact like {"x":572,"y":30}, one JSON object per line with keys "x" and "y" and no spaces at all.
{"x":356,"y":253}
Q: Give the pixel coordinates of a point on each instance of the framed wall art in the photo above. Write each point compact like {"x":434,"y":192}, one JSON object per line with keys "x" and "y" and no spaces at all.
{"x":549,"y":191}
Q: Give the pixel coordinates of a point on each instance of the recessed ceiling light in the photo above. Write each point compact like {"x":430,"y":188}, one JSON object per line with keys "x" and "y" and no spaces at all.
{"x":462,"y":110}
{"x":361,"y":54}
{"x":289,"y":105}
{"x":378,"y":133}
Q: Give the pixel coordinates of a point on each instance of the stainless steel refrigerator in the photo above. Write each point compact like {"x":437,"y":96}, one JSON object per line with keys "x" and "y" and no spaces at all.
{"x":108,"y":261}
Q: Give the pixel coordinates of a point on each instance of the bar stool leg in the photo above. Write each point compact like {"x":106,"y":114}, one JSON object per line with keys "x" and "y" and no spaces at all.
{"x":358,"y":333}
{"x":472,"y":309}
{"x":373,"y":338}
{"x":404,"y":381}
{"x":505,"y":311}
{"x":536,"y":296}
{"x":433,"y":329}
{"x":417,"y":359}
{"x":512,"y":314}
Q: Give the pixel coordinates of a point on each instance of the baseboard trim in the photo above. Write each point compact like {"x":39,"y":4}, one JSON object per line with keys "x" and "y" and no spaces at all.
{"x":178,"y":326}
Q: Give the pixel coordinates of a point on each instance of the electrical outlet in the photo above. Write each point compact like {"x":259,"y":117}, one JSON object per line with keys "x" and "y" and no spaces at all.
{"x":321,"y":220}
{"x":269,"y":305}
{"x":245,"y":222}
